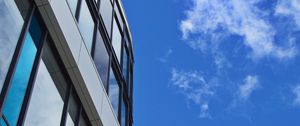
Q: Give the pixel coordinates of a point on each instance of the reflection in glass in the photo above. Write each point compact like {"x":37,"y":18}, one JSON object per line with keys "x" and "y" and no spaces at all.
{"x":11,"y":23}
{"x":46,"y":104}
{"x":101,"y":58}
{"x":73,"y":108}
{"x":123,"y":114}
{"x":113,"y":91}
{"x":106,"y":12}
{"x":86,"y":25}
{"x":116,"y":40}
{"x":125,"y":60}
{"x":69,"y":121}
{"x":19,"y":82}
{"x":73,"y":6}
{"x":82,"y":120}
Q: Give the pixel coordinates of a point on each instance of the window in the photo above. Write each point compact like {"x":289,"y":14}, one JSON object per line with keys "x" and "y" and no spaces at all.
{"x":114,"y":91}
{"x":118,"y":14}
{"x":83,"y":121}
{"x":123,"y":114}
{"x":16,"y":94}
{"x":11,"y":23}
{"x":101,"y":58}
{"x":73,"y":6}
{"x":49,"y":92}
{"x":106,"y":12}
{"x":73,"y":109}
{"x":125,"y":64}
{"x":117,"y":40}
{"x":46,"y":104}
{"x":86,"y":25}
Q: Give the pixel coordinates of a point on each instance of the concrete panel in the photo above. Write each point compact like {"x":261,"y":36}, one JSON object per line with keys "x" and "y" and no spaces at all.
{"x":107,"y":115}
{"x":68,"y":26}
{"x":90,"y":77}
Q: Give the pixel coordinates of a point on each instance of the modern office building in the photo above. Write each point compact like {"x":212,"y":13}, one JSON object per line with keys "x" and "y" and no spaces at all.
{"x":65,"y":63}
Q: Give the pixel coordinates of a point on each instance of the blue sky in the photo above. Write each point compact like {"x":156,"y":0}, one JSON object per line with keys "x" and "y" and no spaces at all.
{"x":216,"y":62}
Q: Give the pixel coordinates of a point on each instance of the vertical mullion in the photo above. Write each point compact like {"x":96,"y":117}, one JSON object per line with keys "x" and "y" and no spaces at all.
{"x":15,"y":59}
{"x":66,"y":106}
{"x":78,"y":9}
{"x":94,"y":39}
{"x":78,"y":115}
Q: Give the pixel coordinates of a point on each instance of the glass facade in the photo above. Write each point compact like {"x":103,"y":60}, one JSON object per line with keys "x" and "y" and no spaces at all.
{"x":86,"y":25}
{"x":20,"y":80}
{"x":117,"y":40}
{"x":73,"y":6}
{"x":46,"y":104}
{"x":114,"y":90}
{"x":125,"y":64}
{"x":123,"y":114}
{"x":106,"y":11}
{"x":39,"y":87}
{"x":11,"y":23}
{"x":101,"y":58}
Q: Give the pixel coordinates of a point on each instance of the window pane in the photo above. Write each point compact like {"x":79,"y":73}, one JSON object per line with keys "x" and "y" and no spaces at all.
{"x":123,"y":114}
{"x":73,"y":6}
{"x":46,"y":104}
{"x":118,"y":13}
{"x":16,"y":94}
{"x":69,"y":121}
{"x":73,"y":107}
{"x":114,"y":91}
{"x":116,"y":40}
{"x":101,"y":59}
{"x":86,"y":25}
{"x":125,"y":60}
{"x":11,"y":23}
{"x":106,"y":12}
{"x":19,"y":82}
{"x":83,"y":120}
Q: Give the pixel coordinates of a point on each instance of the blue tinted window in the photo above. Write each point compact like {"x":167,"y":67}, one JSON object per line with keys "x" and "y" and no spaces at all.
{"x":18,"y":86}
{"x":20,"y":80}
{"x":123,"y":114}
{"x":125,"y":60}
{"x":114,"y":91}
{"x":86,"y":25}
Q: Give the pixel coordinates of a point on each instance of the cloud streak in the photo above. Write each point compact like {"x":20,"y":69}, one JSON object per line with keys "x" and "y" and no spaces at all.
{"x":195,"y":88}
{"x":250,"y":84}
{"x":296,"y":92}
{"x":289,"y":8}
{"x":234,"y":17}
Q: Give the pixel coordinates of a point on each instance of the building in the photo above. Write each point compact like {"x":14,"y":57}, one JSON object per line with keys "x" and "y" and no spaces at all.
{"x":65,"y":62}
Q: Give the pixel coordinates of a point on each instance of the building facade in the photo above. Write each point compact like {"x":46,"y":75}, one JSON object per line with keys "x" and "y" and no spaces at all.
{"x":65,"y":63}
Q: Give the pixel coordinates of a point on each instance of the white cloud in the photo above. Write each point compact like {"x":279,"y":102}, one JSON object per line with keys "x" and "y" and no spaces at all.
{"x":296,"y":92}
{"x":195,"y":88}
{"x":289,"y":8}
{"x":204,"y":111}
{"x":235,"y":17}
{"x":250,"y":84}
{"x":165,"y":57}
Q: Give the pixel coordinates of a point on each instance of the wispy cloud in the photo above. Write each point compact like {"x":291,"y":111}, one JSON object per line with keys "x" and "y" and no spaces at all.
{"x":250,"y":84}
{"x":195,"y":88}
{"x":296,"y":92}
{"x":207,"y":18}
{"x":165,"y":57}
{"x":289,"y":8}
